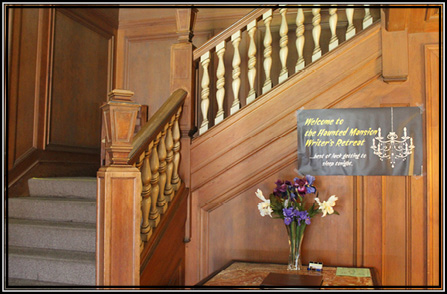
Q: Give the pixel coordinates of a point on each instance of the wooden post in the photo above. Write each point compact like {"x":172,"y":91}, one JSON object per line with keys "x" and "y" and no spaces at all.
{"x":118,"y":198}
{"x":394,"y":45}
{"x":182,"y":76}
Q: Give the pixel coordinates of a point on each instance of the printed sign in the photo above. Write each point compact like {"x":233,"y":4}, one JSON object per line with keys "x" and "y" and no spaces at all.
{"x":360,"y":141}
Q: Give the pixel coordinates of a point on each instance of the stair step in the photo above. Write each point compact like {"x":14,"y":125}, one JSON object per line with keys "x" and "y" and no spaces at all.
{"x":53,"y":209}
{"x":81,"y":187}
{"x":33,"y":283}
{"x":55,"y":266}
{"x":52,"y":235}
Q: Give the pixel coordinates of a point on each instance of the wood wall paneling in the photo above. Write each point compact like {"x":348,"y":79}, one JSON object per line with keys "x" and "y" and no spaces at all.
{"x":23,"y":85}
{"x":147,"y":69}
{"x":79,"y":84}
{"x":163,"y":260}
{"x":383,"y":221}
{"x":59,"y":72}
{"x":268,"y":131}
{"x":434,"y":202}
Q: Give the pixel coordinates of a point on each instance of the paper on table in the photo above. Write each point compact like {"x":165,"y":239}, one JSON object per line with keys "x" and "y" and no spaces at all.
{"x":354,"y":272}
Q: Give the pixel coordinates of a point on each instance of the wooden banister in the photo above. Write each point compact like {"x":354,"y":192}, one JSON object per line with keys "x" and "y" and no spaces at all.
{"x":137,"y":183}
{"x":212,"y":64}
{"x":155,"y":124}
{"x":240,"y":25}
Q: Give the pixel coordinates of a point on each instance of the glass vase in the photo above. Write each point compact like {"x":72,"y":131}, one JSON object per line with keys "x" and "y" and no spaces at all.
{"x":295,"y":233}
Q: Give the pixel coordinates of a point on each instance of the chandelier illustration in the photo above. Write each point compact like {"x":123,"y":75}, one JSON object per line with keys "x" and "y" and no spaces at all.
{"x":392,"y":148}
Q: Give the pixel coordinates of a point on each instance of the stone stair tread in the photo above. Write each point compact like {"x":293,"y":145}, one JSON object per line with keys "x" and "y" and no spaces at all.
{"x":39,"y":253}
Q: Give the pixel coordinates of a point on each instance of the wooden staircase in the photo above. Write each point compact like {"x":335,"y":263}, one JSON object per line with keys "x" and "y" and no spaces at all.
{"x":176,"y":202}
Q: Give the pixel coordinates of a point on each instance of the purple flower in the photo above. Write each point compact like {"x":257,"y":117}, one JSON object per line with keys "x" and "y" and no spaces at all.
{"x":288,"y":213}
{"x":276,"y":192}
{"x":283,"y":188}
{"x":310,"y":189}
{"x":300,"y":185}
{"x":310,"y":179}
{"x":279,"y":183}
{"x":303,"y":216}
{"x":293,"y":196}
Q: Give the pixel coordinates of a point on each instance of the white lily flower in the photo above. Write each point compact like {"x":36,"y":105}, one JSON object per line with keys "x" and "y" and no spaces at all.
{"x":265,"y":209}
{"x":260,"y":195}
{"x":264,"y":206}
{"x":326,"y":206}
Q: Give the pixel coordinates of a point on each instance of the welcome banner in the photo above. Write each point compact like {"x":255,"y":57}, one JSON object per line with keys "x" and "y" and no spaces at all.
{"x":360,"y":141}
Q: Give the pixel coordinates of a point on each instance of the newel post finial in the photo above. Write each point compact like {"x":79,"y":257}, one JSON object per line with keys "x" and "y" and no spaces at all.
{"x":118,"y":196}
{"x":185,"y":20}
{"x":119,"y":118}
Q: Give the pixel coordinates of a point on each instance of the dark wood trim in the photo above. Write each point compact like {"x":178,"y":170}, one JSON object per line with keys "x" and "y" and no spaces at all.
{"x":93,"y":19}
{"x":36,"y":156}
{"x":74,"y":149}
{"x":13,"y":84}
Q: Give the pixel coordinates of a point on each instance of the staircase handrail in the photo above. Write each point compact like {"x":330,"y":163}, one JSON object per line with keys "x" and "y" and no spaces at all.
{"x":239,"y":25}
{"x":155,"y":124}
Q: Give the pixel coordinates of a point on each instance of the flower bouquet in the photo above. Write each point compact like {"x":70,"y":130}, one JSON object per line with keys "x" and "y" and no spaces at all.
{"x":288,"y":202}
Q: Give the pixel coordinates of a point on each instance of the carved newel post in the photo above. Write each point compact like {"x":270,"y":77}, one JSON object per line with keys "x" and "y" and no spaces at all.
{"x":118,"y":197}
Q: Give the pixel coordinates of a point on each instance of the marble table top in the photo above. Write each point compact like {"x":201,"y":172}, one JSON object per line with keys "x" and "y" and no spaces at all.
{"x":246,"y":274}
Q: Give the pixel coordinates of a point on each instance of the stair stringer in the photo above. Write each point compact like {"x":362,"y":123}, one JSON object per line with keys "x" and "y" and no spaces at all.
{"x":261,"y":139}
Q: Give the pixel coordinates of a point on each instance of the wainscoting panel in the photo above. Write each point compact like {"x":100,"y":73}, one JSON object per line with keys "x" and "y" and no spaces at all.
{"x":383,"y":219}
{"x":60,"y":69}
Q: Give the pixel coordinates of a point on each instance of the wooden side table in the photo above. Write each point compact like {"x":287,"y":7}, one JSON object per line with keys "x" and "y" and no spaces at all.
{"x":243,"y":274}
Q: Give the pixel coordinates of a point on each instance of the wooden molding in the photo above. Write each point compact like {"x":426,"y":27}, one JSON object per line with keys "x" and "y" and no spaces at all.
{"x":39,"y":163}
{"x":434,"y":202}
{"x":394,"y":52}
{"x":102,"y":21}
{"x":395,"y":19}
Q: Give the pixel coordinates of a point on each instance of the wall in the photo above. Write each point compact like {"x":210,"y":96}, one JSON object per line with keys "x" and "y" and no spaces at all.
{"x":389,"y":223}
{"x":143,"y":48}
{"x":60,"y":65}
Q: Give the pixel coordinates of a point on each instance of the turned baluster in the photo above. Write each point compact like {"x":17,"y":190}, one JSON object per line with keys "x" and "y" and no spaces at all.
{"x":154,"y":215}
{"x":333,"y":26}
{"x":350,"y":31}
{"x":169,"y":190}
{"x":220,"y":93}
{"x":367,"y":19}
{"x":146,"y":176}
{"x":161,"y":202}
{"x":251,"y":28}
{"x":205,"y":61}
{"x":236,"y":39}
{"x":316,"y":32}
{"x":176,"y":181}
{"x":300,"y":39}
{"x":267,"y":17}
{"x":138,"y":165}
{"x":283,"y":42}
